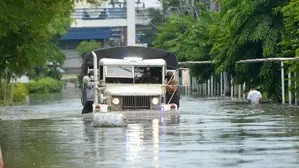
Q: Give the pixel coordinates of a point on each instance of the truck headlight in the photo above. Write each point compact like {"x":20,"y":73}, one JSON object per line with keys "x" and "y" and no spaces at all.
{"x":115,"y":100}
{"x":155,"y":100}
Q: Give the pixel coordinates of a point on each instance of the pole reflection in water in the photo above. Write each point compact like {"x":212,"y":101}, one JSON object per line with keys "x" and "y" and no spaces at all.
{"x":155,"y":125}
{"x":138,"y":136}
{"x":158,"y":141}
{"x":134,"y":141}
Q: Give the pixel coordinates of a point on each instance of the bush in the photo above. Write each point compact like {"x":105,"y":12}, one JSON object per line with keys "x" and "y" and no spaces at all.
{"x":20,"y":92}
{"x":45,"y":85}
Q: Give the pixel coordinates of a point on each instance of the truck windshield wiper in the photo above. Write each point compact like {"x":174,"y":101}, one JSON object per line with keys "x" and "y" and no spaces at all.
{"x":126,"y":69}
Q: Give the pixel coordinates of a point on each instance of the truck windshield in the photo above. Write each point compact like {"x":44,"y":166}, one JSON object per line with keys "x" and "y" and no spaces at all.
{"x":120,"y":71}
{"x":133,"y":74}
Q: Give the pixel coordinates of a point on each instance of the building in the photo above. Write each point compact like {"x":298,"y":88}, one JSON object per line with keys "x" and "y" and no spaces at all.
{"x":106,"y":24}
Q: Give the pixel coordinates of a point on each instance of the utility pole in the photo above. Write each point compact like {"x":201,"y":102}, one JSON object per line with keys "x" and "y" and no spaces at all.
{"x":131,"y":25}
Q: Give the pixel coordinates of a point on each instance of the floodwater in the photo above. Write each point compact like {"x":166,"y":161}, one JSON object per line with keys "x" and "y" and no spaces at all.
{"x":210,"y":132}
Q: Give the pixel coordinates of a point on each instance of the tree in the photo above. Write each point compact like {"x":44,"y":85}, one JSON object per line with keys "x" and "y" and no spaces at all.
{"x":26,"y":28}
{"x":244,"y":29}
{"x":86,"y":46}
{"x":198,"y":43}
{"x":290,"y":42}
{"x":189,"y":38}
{"x":157,"y":17}
{"x":20,"y":43}
{"x":30,"y":32}
{"x":99,"y":2}
{"x":251,"y":29}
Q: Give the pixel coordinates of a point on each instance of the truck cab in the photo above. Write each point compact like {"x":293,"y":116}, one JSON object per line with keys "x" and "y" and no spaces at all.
{"x":130,"y":78}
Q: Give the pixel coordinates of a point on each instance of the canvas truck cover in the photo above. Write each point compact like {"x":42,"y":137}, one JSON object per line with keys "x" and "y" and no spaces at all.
{"x":130,"y":51}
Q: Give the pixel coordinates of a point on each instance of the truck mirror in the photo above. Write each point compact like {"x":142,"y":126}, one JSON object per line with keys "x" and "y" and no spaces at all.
{"x":185,"y":74}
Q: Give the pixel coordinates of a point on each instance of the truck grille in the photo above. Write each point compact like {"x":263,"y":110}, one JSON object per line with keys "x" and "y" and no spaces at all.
{"x":136,"y":102}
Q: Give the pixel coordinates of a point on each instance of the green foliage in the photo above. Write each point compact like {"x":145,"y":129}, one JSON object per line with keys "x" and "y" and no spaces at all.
{"x":55,"y":59}
{"x":171,"y":34}
{"x":27,"y":30}
{"x":189,"y":39}
{"x":290,"y":42}
{"x":170,"y":3}
{"x":294,"y":70}
{"x":20,"y":92}
{"x":170,"y":7}
{"x":198,"y":43}
{"x":244,"y":29}
{"x":157,"y":16}
{"x":250,"y":29}
{"x":99,"y":2}
{"x":30,"y":33}
{"x":86,"y":46}
{"x":45,"y":85}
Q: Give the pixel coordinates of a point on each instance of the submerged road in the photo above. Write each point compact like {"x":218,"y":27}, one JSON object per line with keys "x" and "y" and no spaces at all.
{"x":211,"y":132}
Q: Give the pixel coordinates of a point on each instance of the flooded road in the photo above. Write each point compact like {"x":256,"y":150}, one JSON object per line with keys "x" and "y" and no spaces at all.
{"x":211,"y":132}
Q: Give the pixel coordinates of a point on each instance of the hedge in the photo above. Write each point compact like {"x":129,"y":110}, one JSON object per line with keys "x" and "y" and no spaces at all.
{"x":45,"y":85}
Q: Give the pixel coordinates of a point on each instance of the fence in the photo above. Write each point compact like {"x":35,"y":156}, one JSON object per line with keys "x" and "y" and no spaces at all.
{"x":217,"y":85}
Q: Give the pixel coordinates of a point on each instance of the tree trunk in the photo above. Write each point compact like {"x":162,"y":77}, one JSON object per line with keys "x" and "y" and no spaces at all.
{"x":11,"y":92}
{"x":8,"y":77}
{"x":226,"y":83}
{"x":5,"y":90}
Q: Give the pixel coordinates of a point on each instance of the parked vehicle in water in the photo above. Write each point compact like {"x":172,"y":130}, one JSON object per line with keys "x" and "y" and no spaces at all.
{"x":130,"y":78}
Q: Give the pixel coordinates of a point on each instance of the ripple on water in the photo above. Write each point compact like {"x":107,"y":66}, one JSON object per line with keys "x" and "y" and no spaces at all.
{"x":210,"y":132}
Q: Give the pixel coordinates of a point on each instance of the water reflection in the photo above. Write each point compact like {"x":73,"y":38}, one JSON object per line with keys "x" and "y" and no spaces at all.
{"x":134,"y":141}
{"x":208,"y":133}
{"x":50,"y":98}
{"x":156,"y":139}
